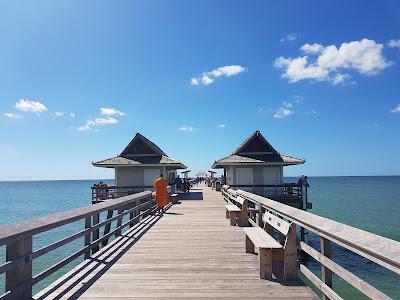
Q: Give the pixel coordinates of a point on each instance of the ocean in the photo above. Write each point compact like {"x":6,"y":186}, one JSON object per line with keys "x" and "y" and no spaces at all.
{"x":369,"y":203}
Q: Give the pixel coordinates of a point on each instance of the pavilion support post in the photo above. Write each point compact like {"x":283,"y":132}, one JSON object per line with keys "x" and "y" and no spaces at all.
{"x":326,"y":274}
{"x":19,"y":280}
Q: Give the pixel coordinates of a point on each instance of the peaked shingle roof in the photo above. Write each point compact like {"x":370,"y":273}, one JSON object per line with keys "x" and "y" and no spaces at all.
{"x":256,"y":150}
{"x":140,"y":152}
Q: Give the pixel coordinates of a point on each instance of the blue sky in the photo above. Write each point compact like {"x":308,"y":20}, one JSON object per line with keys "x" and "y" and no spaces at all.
{"x":319,"y":79}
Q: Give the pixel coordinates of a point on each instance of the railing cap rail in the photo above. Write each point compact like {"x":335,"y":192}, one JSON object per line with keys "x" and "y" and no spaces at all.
{"x":379,"y":249}
{"x":12,"y":232}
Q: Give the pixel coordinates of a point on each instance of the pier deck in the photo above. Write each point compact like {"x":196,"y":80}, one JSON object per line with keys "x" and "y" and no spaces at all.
{"x":190,"y":252}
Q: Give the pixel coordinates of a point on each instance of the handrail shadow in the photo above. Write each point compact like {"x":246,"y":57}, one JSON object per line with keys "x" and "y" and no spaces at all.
{"x":128,"y":240}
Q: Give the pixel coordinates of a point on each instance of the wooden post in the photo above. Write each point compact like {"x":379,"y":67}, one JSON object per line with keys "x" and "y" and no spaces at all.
{"x":326,"y":274}
{"x":95,"y":233}
{"x":244,"y":215}
{"x":23,"y":273}
{"x":260,"y":215}
{"x":290,"y":254}
{"x":108,"y":226}
{"x":119,"y":221}
{"x":88,"y":224}
{"x":265,"y":260}
{"x":249,"y":245}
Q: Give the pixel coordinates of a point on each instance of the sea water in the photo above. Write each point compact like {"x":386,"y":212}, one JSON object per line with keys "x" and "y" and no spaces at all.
{"x":369,"y":203}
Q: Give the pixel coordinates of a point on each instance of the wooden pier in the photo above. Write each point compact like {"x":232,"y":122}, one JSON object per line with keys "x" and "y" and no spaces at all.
{"x":190,"y":252}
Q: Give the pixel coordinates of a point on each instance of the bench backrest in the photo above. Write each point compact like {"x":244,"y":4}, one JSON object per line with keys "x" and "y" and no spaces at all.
{"x":240,"y":200}
{"x":281,"y":225}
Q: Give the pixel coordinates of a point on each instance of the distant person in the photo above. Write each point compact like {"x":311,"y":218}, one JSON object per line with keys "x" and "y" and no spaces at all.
{"x":178,"y":183}
{"x":161,"y":193}
{"x":303,"y":180}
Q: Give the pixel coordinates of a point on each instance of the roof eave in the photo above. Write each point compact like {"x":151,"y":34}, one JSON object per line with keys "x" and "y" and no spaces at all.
{"x":218,"y":165}
{"x":177,"y":165}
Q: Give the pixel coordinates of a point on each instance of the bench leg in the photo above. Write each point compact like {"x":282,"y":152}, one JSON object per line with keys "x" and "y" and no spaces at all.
{"x":249,"y":245}
{"x":265,"y":259}
{"x":290,"y":254}
{"x":244,"y":219}
{"x":232,"y":217}
{"x":227,"y":214}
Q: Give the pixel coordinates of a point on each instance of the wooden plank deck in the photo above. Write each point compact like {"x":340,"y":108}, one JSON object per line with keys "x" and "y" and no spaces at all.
{"x":191,"y":252}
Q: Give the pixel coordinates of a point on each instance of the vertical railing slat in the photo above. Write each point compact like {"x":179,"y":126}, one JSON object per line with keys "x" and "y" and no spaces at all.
{"x":326,"y":274}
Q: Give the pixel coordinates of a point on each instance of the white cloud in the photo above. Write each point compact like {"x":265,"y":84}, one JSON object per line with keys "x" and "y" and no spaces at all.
{"x":221,"y":125}
{"x":109,"y":111}
{"x":284,"y":111}
{"x":72,"y":115}
{"x":90,"y":124}
{"x":311,"y":49}
{"x":194,"y":81}
{"x":185,"y":128}
{"x":340,"y":78}
{"x":328,"y":63}
{"x":290,"y":37}
{"x":394,"y":43}
{"x":12,"y":116}
{"x":207,"y":78}
{"x":396,"y":109}
{"x":30,"y":106}
{"x":59,"y":113}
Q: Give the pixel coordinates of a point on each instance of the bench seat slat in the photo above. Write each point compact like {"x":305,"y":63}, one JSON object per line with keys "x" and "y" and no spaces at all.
{"x":261,"y":239}
{"x":232,"y":207}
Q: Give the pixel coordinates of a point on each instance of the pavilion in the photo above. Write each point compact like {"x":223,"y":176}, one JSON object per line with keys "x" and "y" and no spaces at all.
{"x":140,"y":163}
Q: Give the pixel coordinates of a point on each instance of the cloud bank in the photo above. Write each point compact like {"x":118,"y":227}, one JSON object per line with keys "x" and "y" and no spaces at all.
{"x":332,"y":64}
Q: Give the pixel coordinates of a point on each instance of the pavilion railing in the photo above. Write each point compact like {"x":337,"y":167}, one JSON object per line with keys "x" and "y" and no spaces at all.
{"x":103,"y":192}
{"x":17,"y":238}
{"x":380,"y":250}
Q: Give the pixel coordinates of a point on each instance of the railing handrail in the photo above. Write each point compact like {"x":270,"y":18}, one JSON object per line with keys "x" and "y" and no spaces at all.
{"x":267,"y":185}
{"x":12,"y":232}
{"x":120,"y":186}
{"x":381,"y":250}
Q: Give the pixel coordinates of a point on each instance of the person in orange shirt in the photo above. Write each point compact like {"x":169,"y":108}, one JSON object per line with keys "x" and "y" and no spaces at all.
{"x":161,"y":193}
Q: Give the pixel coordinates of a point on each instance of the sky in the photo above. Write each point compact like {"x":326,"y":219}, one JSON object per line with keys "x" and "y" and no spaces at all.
{"x":319,"y":79}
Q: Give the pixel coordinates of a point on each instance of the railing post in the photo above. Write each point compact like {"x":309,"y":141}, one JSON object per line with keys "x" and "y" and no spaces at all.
{"x":108,"y":226}
{"x":23,"y":273}
{"x":88,"y":224}
{"x":326,"y":274}
{"x":260,"y":214}
{"x":119,"y":221}
{"x":95,"y":233}
{"x":134,"y":214}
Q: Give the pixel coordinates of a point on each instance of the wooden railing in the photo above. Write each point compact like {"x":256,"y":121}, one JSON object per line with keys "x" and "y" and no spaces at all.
{"x":18,"y":238}
{"x":273,"y":190}
{"x":103,"y":192}
{"x":380,"y":250}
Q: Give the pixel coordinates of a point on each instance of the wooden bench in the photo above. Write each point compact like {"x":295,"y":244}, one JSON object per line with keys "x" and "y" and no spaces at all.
{"x":270,"y":250}
{"x":174,"y":198}
{"x":232,"y":212}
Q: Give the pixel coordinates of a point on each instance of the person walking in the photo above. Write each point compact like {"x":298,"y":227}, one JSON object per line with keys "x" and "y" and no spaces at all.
{"x":161,"y":193}
{"x":178,"y":183}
